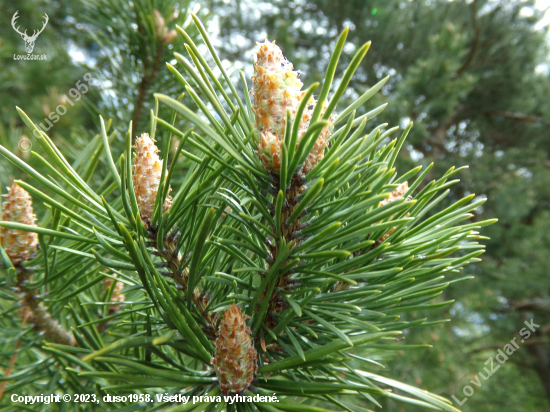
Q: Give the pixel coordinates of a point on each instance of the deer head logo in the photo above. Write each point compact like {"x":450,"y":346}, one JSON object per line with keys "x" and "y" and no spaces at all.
{"x":29,"y":40}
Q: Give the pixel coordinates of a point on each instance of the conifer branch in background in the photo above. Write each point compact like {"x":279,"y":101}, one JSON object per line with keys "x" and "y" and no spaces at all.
{"x":151,"y":70}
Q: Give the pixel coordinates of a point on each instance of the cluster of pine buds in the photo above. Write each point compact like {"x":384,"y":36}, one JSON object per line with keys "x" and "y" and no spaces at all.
{"x":235,"y":360}
{"x":147,"y":170}
{"x":277,"y":90}
{"x":19,"y":245}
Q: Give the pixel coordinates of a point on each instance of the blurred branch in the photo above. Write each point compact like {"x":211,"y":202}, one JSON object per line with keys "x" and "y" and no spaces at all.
{"x":515,"y":116}
{"x":148,"y":78}
{"x":526,"y":306}
{"x":475,"y":40}
{"x":542,"y":365}
{"x":439,"y":133}
{"x":531,"y":341}
{"x":523,"y":365}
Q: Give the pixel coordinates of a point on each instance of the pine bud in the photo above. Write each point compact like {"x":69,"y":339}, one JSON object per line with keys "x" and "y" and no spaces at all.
{"x":146,"y":177}
{"x":169,"y":36}
{"x":19,"y":245}
{"x":160,"y":25}
{"x":235,"y":360}
{"x":277,"y":90}
{"x":397,"y":194}
{"x":162,"y":32}
{"x":117,"y":295}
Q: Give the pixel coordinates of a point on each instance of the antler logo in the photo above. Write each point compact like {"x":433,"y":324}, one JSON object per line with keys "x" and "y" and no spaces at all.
{"x":29,"y":40}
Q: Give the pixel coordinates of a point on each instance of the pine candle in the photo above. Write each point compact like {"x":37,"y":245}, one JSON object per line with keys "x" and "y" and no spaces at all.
{"x":147,"y":170}
{"x":277,"y":90}
{"x":235,"y":360}
{"x":19,"y":245}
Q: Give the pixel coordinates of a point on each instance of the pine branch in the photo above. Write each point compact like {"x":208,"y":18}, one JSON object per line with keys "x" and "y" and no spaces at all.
{"x":21,"y":247}
{"x":171,"y":254}
{"x":291,"y":222}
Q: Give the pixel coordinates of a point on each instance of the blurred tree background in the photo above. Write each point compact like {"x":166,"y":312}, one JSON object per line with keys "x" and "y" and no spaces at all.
{"x":123,"y":45}
{"x":472,"y":75}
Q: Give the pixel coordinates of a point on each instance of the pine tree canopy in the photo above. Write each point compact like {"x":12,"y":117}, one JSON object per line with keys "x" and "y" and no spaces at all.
{"x":285,"y":260}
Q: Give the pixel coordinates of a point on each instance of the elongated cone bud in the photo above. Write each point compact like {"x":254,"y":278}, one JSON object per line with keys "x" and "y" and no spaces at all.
{"x":19,"y":245}
{"x":44,"y":322}
{"x":235,"y":360}
{"x":32,"y":311}
{"x":397,"y":194}
{"x":160,"y":25}
{"x":162,"y":32}
{"x":146,"y":177}
{"x":277,"y":90}
{"x":117,"y":295}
